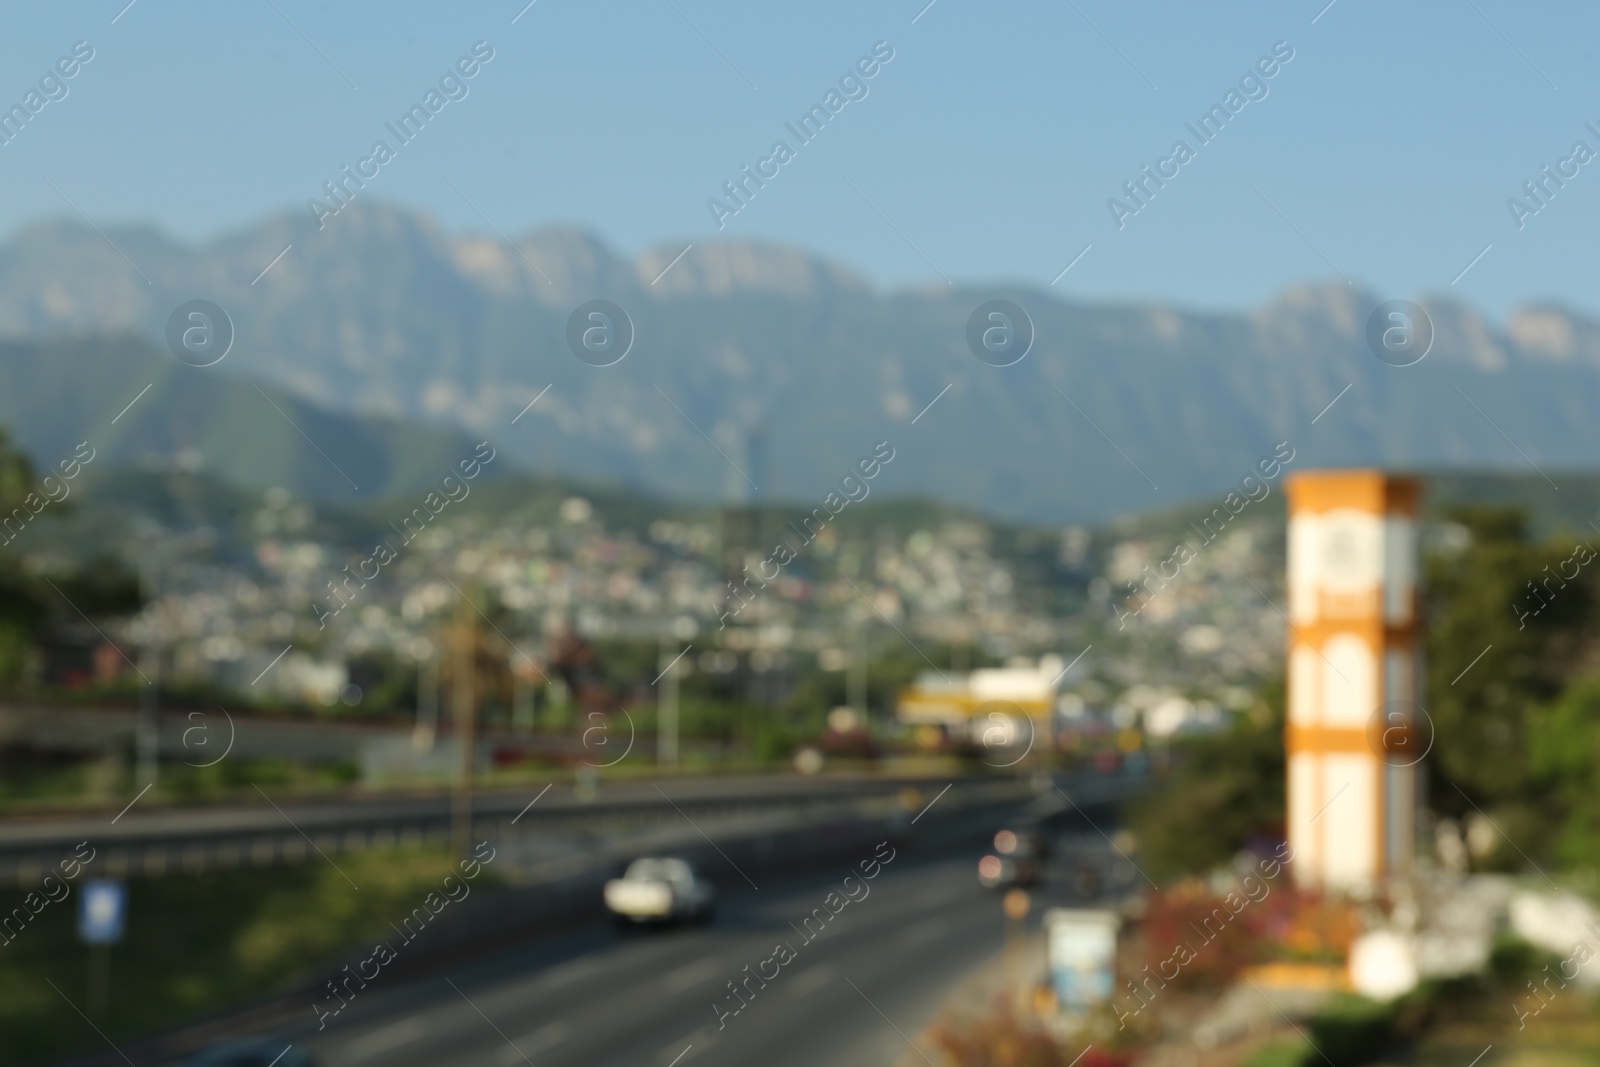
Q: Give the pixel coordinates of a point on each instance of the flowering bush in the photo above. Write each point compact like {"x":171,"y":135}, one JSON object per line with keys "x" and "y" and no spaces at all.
{"x":1196,"y":938}
{"x":1001,"y":1039}
{"x":1313,"y":928}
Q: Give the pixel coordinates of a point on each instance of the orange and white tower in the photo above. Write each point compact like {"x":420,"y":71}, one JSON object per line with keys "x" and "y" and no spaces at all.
{"x":1353,"y":676}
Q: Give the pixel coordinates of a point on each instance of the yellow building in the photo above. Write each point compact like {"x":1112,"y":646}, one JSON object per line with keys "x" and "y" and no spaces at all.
{"x":1353,"y":644}
{"x":973,"y":705}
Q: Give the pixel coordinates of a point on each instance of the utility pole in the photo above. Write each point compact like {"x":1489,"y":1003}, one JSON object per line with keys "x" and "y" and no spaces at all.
{"x":856,"y":675}
{"x":147,"y":739}
{"x":523,"y":708}
{"x":667,"y":706}
{"x":99,"y":980}
{"x":427,"y":727}
{"x":463,"y":708}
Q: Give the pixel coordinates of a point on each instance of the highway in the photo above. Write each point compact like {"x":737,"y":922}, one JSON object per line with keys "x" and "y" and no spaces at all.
{"x":587,"y":992}
{"x":598,"y":997}
{"x":595,"y":996}
{"x":278,"y":828}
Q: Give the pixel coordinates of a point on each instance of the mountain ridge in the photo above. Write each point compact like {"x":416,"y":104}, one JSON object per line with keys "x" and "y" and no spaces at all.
{"x":768,"y":366}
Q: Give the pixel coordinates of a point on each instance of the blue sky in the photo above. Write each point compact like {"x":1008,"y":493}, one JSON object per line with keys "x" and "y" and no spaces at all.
{"x":984,"y":151}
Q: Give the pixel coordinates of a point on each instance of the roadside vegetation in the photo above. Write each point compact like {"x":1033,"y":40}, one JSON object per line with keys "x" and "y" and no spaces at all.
{"x":197,"y":944}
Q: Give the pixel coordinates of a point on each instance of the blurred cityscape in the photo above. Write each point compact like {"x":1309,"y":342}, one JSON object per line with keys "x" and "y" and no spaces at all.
{"x":517,"y":603}
{"x":285,"y":606}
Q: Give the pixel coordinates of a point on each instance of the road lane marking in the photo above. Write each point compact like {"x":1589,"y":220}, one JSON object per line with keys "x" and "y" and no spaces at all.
{"x":574,"y":971}
{"x":891,"y":1022}
{"x":703,"y":1039}
{"x":942,"y":895}
{"x":692,"y":975}
{"x":384,"y":1040}
{"x":541,"y":1040}
{"x":922,"y":933}
{"x":492,"y":1024}
{"x":807,"y":982}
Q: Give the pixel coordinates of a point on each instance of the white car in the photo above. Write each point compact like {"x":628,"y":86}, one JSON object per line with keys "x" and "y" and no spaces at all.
{"x":660,"y":889}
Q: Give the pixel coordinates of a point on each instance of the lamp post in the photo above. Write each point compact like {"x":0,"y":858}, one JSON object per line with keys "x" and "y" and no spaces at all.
{"x":681,"y":629}
{"x":524,"y":710}
{"x":463,"y":709}
{"x":147,"y":738}
{"x":856,"y":673}
{"x":667,"y":708}
{"x":427,"y":724}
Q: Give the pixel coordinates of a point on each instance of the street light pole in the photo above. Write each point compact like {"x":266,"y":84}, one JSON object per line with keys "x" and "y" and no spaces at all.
{"x":147,"y":738}
{"x":856,"y":676}
{"x":463,"y":708}
{"x":523,"y":708}
{"x":667,"y":707}
{"x":427,"y":725}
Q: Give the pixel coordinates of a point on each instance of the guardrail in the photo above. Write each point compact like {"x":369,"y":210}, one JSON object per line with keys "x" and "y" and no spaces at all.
{"x":269,"y":836}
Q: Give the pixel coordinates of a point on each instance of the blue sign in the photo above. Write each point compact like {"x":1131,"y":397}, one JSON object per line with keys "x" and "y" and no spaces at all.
{"x":102,"y":909}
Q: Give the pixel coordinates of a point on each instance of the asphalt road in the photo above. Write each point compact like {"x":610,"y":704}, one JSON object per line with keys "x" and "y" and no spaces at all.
{"x":641,"y":998}
{"x":853,"y":995}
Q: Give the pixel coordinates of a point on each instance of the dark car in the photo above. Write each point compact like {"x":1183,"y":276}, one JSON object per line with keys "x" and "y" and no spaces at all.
{"x":1015,"y":859}
{"x":251,"y":1052}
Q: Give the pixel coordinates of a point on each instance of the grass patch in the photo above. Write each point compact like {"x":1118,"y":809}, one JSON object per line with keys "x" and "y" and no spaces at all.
{"x":196,"y":944}
{"x":1347,"y":1030}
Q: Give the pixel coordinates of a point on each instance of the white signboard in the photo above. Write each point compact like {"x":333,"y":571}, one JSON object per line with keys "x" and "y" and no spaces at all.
{"x":1081,"y":949}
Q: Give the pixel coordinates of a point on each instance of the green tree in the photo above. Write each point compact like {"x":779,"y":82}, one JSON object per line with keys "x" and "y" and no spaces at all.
{"x":1223,"y":789}
{"x":1517,"y":734}
{"x":1514,"y":601}
{"x":16,"y":474}
{"x":1564,"y":745}
{"x":102,"y":587}
{"x":20,"y":612}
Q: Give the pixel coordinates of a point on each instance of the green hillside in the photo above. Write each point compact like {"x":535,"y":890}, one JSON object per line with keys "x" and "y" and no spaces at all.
{"x":63,"y":392}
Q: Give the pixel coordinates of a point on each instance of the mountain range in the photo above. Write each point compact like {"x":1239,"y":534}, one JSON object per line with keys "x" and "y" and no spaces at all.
{"x":388,"y":346}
